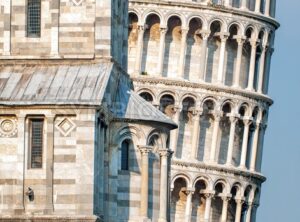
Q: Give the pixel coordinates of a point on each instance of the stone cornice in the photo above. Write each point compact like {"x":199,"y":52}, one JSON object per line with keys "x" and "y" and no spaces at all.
{"x":221,"y":168}
{"x":211,"y":87}
{"x":234,"y":11}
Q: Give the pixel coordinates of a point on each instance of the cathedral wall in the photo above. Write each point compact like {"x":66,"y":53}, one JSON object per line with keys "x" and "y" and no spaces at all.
{"x":64,"y":184}
{"x":68,"y":29}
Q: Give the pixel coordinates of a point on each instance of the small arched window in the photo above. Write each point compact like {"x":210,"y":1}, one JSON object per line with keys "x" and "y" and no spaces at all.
{"x":125,"y":155}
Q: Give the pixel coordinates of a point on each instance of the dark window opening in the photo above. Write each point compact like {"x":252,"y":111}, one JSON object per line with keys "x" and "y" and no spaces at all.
{"x":125,"y":155}
{"x":34,"y":18}
{"x":36,"y":143}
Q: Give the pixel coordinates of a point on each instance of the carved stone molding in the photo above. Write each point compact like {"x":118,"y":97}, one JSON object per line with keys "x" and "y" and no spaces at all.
{"x":8,"y":126}
{"x":65,"y":126}
{"x":77,"y":2}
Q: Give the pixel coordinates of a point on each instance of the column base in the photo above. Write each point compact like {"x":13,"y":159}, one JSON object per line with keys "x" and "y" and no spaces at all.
{"x":162,"y":220}
{"x":145,"y":219}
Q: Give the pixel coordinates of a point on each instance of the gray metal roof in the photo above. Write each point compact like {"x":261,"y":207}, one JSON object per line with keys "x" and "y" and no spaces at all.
{"x":134,"y":107}
{"x":53,"y":84}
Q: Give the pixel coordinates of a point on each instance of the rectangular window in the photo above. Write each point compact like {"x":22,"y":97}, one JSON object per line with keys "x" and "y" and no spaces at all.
{"x":33,"y":18}
{"x":36,"y":143}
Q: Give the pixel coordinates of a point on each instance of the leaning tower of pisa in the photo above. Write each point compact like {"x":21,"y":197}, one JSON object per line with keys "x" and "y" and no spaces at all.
{"x":206,"y":64}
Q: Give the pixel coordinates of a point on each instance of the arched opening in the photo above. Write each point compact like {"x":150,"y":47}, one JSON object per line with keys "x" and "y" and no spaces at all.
{"x":172,"y":46}
{"x":132,"y":40}
{"x":178,"y":200}
{"x":251,"y":5}
{"x":231,"y":55}
{"x":245,"y":66}
{"x":213,"y":52}
{"x":147,"y":96}
{"x":236,"y":3}
{"x":261,"y":142}
{"x":206,"y":129}
{"x":166,"y":105}
{"x":185,"y":129}
{"x":245,"y":204}
{"x":251,"y":135}
{"x":198,"y":201}
{"x":217,"y":202}
{"x":258,"y":59}
{"x":224,"y":134}
{"x":239,"y":133}
{"x":193,"y":51}
{"x":151,"y":44}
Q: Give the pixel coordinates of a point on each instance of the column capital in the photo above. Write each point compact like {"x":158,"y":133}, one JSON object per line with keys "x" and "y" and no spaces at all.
{"x":176,"y":109}
{"x":145,"y":150}
{"x":241,"y":39}
{"x":247,"y":121}
{"x":189,"y":191}
{"x":163,"y":30}
{"x":208,"y":194}
{"x":223,"y":36}
{"x":254,"y":42}
{"x":239,"y":200}
{"x":165,"y":152}
{"x":184,"y":30}
{"x":233,"y":118}
{"x":226,"y":197}
{"x":204,"y":34}
{"x":197,"y":112}
{"x":217,"y":115}
{"x":141,"y":28}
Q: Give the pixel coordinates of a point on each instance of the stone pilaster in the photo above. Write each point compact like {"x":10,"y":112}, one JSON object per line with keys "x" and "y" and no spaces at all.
{"x":161,"y":53}
{"x":163,"y":199}
{"x":233,"y":121}
{"x":144,"y":181}
{"x":247,"y":123}
{"x":250,"y":85}
{"x":236,"y":79}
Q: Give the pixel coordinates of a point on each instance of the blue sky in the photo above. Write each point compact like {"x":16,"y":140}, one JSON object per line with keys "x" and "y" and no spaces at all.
{"x":280,"y":200}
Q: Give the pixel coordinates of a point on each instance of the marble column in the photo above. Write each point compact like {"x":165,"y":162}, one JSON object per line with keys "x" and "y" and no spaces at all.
{"x":139,"y":50}
{"x":240,"y":40}
{"x":257,"y":6}
{"x":196,"y":132}
{"x":161,"y":53}
{"x":184,"y":32}
{"x":188,"y":206}
{"x":253,"y":44}
{"x":254,"y":146}
{"x":207,"y":211}
{"x":267,"y":70}
{"x":144,"y":181}
{"x":174,"y":133}
{"x":221,"y":71}
{"x":267,"y":7}
{"x":254,"y":210}
{"x":243,"y":4}
{"x":260,"y":146}
{"x":7,"y":27}
{"x":214,"y":143}
{"x":247,"y":123}
{"x":238,"y":212}
{"x":261,"y":69}
{"x":226,"y":3}
{"x":202,"y":70}
{"x":233,"y":121}
{"x":163,"y":199}
{"x":249,"y":212}
{"x":225,"y":200}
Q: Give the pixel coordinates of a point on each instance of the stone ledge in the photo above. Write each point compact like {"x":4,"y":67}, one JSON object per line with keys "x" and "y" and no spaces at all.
{"x":206,"y":86}
{"x":49,"y":218}
{"x":221,"y":168}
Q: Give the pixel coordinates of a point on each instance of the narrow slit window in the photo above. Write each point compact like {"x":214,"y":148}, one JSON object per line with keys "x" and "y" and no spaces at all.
{"x":36,"y":143}
{"x":33,"y":18}
{"x":125,"y":155}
